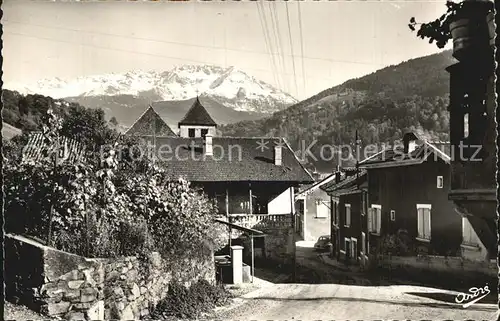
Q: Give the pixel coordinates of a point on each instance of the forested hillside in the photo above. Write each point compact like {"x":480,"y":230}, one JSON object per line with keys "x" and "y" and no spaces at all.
{"x":84,"y":124}
{"x":381,"y":106}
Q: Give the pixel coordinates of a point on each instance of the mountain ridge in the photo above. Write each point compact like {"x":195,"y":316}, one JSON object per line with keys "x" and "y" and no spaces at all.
{"x":380,"y":106}
{"x":230,"y":86}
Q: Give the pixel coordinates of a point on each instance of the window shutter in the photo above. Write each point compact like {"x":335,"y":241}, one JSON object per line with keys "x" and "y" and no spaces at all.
{"x":379,"y":219}
{"x":465,"y":231}
{"x":420,"y":219}
{"x":370,"y":220}
{"x":427,"y":225}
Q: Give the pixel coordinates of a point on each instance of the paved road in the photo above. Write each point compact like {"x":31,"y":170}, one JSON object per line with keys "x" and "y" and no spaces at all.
{"x":342,"y":301}
{"x":334,"y":301}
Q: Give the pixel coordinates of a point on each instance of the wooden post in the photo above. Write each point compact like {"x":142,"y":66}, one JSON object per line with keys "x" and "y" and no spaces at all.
{"x":253,"y":261}
{"x":228,"y":219}
{"x":251,"y":197}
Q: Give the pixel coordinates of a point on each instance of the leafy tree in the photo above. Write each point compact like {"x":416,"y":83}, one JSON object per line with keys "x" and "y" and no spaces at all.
{"x":113,"y":121}
{"x":103,"y":202}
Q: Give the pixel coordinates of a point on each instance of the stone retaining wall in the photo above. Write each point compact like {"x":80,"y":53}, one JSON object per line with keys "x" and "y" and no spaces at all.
{"x":69,"y":286}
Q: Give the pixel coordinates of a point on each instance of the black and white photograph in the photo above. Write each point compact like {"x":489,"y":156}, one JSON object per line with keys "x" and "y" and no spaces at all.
{"x":249,"y":160}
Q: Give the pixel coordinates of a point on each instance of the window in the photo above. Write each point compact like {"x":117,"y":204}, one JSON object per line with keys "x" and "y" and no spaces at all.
{"x":374,"y":218}
{"x":424,"y":221}
{"x":393,"y":215}
{"x":321,"y":209}
{"x":440,"y":182}
{"x":467,"y":233}
{"x":204,"y":132}
{"x":191,"y":132}
{"x":337,"y":214}
{"x":466,"y":125}
{"x":354,"y":248}
{"x":347,"y":248}
{"x":347,"y":221}
{"x":363,"y":242}
{"x":364,"y":203}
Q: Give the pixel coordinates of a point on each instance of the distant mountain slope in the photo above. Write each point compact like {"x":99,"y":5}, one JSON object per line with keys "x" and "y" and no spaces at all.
{"x":381,"y":105}
{"x":127,"y":109}
{"x":230,"y":87}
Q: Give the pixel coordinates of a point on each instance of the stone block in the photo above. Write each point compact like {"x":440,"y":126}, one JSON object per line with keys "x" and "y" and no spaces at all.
{"x":118,"y":291}
{"x":120,"y":306}
{"x":127,"y":314}
{"x":75,"y":315}
{"x":53,"y":309}
{"x":55,"y":298}
{"x":84,"y":298}
{"x":143,"y":290}
{"x":144,"y":312}
{"x":72,"y":295}
{"x":88,"y":277}
{"x":96,"y":312}
{"x":75,"y":284}
{"x":70,"y":276}
{"x":51,"y":290}
{"x":112,"y":275}
{"x":132,"y":274}
{"x":136,"y":291}
{"x":83,"y":306}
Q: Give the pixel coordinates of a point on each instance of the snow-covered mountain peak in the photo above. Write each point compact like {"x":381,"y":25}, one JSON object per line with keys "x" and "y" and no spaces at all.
{"x":230,"y":86}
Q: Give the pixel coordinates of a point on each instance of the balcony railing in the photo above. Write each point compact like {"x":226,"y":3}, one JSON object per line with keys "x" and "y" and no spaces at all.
{"x":262,"y":221}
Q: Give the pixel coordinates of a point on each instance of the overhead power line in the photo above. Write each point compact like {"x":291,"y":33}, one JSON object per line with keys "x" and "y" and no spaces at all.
{"x":267,"y":40}
{"x":188,"y":44}
{"x":185,"y":60}
{"x":302,"y":48}
{"x":291,"y":47}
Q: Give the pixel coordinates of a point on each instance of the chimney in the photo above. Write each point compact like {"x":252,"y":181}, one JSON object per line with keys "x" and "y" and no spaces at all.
{"x":208,"y":145}
{"x":277,"y":155}
{"x":409,"y":142}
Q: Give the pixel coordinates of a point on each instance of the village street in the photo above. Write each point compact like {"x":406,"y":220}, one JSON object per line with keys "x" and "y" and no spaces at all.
{"x":334,"y":301}
{"x":337,"y":293}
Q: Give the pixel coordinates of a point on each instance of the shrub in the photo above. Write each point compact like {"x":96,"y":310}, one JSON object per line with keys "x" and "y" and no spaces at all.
{"x":182,"y":302}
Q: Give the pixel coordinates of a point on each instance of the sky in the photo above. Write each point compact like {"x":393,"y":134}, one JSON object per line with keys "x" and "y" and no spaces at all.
{"x":300,"y":47}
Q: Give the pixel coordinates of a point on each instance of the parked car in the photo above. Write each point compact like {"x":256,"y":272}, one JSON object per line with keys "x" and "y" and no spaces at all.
{"x":323,"y":243}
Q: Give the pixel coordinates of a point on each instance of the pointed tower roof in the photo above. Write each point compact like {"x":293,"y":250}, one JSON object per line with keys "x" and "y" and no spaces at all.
{"x":148,"y":123}
{"x":197,"y":115}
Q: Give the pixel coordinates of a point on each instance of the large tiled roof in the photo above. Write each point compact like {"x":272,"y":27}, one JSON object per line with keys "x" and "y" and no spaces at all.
{"x":310,"y":187}
{"x":150,"y":123}
{"x":38,"y":148}
{"x":234,"y":159}
{"x":197,"y":115}
{"x":395,"y":155}
{"x":349,"y":183}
